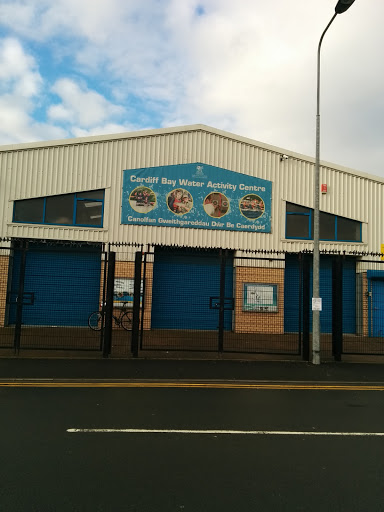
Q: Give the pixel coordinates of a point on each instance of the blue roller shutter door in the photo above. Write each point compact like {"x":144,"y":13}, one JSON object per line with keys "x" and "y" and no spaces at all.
{"x":65,"y":284}
{"x":292,"y":296}
{"x":183,"y":283}
{"x":376,"y":303}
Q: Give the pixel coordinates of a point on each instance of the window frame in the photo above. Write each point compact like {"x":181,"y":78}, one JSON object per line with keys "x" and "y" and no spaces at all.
{"x":310,"y":216}
{"x":342,"y":240}
{"x":30,"y":200}
{"x":74,"y":210}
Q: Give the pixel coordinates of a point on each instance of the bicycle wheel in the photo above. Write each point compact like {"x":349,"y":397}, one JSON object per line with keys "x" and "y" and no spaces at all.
{"x":126,"y":321}
{"x":95,"y":321}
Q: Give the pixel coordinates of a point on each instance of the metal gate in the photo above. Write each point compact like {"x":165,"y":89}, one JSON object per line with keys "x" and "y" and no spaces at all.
{"x":47,"y":293}
{"x":185,"y":300}
{"x":368,"y":338}
{"x":209,"y":301}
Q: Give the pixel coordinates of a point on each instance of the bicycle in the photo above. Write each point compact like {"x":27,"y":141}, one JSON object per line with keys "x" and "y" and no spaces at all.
{"x":97,"y":319}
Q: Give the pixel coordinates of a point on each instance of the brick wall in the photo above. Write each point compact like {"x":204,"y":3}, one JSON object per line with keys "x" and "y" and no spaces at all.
{"x":259,"y":322}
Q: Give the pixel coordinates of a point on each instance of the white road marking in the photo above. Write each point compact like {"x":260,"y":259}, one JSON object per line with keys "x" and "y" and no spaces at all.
{"x":220,"y":432}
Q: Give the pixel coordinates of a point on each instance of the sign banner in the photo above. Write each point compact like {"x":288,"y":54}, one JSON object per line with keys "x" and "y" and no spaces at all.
{"x":196,"y":196}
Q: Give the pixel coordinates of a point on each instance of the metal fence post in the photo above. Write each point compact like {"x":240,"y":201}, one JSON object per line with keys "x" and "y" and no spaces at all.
{"x":20,"y":297}
{"x":223,"y":261}
{"x":337,"y":307}
{"x":108,"y":309}
{"x":136,"y":305}
{"x":143,"y":300}
{"x":103,"y":298}
{"x":306,"y":306}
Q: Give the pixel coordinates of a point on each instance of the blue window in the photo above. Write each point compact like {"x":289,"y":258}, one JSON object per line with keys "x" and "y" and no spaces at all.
{"x":78,"y":209}
{"x":299,"y":222}
{"x":299,"y":225}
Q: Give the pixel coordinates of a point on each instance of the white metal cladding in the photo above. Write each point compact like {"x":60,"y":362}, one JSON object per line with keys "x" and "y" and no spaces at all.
{"x":50,"y":168}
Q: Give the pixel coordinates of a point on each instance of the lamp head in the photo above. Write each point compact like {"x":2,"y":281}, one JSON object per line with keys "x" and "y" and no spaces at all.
{"x":343,"y":5}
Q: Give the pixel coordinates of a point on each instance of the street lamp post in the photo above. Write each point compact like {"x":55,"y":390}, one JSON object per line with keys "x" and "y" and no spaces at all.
{"x":341,"y":6}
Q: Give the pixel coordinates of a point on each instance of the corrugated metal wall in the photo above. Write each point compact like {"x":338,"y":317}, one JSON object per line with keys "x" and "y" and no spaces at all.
{"x":84,"y":164}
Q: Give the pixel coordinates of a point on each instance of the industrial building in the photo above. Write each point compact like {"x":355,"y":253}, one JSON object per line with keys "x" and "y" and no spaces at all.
{"x":185,"y":195}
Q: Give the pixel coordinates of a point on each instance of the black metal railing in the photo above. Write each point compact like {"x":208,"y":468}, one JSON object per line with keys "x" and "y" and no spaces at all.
{"x":186,"y":300}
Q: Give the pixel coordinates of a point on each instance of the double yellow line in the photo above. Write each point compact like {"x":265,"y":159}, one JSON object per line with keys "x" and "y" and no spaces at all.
{"x":191,"y":385}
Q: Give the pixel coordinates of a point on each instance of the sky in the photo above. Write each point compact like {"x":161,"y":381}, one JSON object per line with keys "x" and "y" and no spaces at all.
{"x":72,"y":68}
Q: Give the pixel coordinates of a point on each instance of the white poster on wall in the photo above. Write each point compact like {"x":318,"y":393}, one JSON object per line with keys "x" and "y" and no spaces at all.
{"x":260,"y":297}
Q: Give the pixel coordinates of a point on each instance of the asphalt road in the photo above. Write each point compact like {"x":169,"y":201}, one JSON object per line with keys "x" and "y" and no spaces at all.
{"x":46,"y":468}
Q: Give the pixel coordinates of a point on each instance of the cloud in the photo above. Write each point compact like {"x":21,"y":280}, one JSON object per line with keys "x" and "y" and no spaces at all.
{"x":248,"y":67}
{"x":41,"y":20}
{"x":20,"y":88}
{"x":81,"y":106}
{"x":17,"y":125}
{"x":23,"y":93}
{"x":18,"y":70}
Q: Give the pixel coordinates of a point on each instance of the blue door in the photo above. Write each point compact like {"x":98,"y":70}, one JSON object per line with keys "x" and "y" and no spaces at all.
{"x":65,"y":284}
{"x":185,"y":282}
{"x":292,"y":294}
{"x":376,"y":303}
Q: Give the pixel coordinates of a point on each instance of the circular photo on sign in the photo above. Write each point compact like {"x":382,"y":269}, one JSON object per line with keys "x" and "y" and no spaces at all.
{"x":179,"y":201}
{"x":216,"y":204}
{"x":142,"y":199}
{"x":251,"y":206}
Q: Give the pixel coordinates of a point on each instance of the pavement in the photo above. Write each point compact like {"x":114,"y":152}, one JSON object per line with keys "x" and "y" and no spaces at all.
{"x":30,"y":369}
